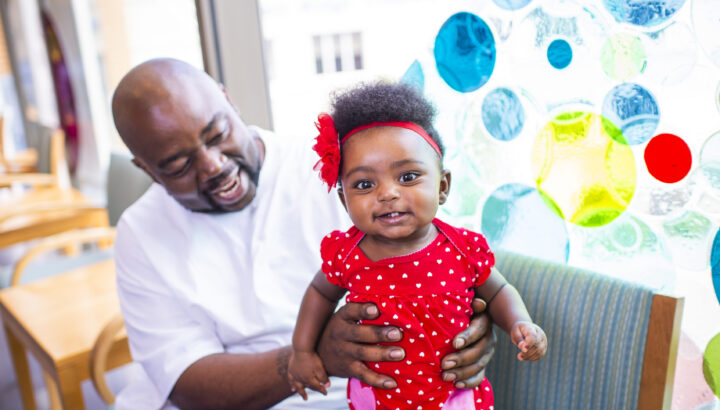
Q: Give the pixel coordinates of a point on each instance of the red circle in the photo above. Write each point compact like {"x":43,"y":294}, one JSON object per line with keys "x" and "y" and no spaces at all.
{"x":668,"y":158}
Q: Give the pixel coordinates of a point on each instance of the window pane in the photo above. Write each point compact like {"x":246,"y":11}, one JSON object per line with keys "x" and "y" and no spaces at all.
{"x":132,"y":31}
{"x":322,"y":45}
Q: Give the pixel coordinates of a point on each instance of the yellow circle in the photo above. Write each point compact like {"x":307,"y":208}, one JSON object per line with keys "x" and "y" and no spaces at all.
{"x":584,"y":168}
{"x":711,"y":364}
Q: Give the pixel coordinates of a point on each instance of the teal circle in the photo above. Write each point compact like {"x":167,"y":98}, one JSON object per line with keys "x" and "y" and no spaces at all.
{"x":465,"y":52}
{"x":715,"y":265}
{"x":559,"y":54}
{"x":516,"y":218}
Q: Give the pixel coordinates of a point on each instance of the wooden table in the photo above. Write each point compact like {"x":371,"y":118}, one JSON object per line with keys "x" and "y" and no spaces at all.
{"x":57,"y":320}
{"x":41,"y":212}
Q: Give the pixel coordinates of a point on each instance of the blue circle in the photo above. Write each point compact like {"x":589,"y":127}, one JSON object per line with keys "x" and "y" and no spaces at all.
{"x":503,"y":114}
{"x":559,"y":54}
{"x":645,"y":13}
{"x":715,"y":265}
{"x":516,"y":218}
{"x":634,"y":110}
{"x":465,"y":52}
{"x":511,"y":4}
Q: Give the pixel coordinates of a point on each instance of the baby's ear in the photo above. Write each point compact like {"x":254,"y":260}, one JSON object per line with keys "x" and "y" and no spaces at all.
{"x":444,"y":186}
{"x":341,"y":195}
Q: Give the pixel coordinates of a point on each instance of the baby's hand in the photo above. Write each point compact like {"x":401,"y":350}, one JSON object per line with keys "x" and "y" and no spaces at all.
{"x":305,"y":369}
{"x":530,"y":339}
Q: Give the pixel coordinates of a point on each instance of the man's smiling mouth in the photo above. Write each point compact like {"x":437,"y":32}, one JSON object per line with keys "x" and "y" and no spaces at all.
{"x":229,"y":188}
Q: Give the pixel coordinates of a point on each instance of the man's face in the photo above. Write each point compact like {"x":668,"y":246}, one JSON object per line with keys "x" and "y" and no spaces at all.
{"x":198,"y":148}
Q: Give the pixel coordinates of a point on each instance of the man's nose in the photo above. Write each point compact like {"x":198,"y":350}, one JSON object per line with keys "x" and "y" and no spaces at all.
{"x":210,"y":162}
{"x":387,"y":191}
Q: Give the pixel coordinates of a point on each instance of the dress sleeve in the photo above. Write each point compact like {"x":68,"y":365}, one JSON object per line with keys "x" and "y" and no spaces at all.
{"x":480,"y":256}
{"x":330,"y":252}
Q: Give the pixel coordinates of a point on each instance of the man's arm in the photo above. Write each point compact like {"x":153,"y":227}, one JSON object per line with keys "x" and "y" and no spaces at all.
{"x":233,"y":381}
{"x":260,"y":380}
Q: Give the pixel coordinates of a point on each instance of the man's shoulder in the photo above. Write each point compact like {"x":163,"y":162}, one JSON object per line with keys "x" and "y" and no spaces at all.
{"x":154,"y":208}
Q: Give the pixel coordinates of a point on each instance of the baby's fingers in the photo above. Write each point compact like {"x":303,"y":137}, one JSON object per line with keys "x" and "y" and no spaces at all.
{"x":300,"y":389}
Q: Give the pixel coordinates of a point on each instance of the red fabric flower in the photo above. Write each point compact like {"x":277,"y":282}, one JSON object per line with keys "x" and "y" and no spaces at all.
{"x":327,"y":146}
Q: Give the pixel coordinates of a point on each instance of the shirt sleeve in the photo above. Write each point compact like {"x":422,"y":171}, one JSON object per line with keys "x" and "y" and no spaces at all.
{"x":332,"y":265}
{"x":480,"y":257}
{"x":175,"y":335}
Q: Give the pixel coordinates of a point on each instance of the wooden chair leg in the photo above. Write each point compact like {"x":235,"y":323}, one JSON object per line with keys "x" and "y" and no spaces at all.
{"x":22,"y":371}
{"x":52,"y":388}
{"x":70,"y":389}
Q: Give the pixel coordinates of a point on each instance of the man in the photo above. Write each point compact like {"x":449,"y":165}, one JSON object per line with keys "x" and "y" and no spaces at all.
{"x":213,"y":260}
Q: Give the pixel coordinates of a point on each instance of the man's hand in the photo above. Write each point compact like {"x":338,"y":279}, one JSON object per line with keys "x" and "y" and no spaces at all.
{"x":476,"y":345}
{"x":345,"y":345}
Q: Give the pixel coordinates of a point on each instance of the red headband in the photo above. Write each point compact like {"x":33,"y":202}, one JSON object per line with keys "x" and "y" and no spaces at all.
{"x":408,"y":125}
{"x":327,"y":144}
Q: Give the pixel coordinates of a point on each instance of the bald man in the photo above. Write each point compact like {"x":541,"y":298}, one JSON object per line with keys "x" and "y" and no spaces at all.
{"x":213,"y":260}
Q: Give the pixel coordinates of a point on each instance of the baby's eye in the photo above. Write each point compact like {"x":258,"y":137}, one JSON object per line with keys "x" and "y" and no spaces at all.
{"x":408,"y":177}
{"x":364,"y":184}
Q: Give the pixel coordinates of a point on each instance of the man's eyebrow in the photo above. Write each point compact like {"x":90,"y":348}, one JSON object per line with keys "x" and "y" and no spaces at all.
{"x":209,"y":125}
{"x":183,"y":153}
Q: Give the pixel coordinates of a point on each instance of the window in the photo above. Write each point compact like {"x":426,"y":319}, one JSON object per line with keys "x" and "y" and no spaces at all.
{"x":344,"y":52}
{"x":361,"y":40}
{"x":132,"y":31}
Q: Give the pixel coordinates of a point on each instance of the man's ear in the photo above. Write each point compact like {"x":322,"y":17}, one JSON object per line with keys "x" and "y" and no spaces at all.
{"x":444,"y":186}
{"x":142,"y":166}
{"x":341,"y":195}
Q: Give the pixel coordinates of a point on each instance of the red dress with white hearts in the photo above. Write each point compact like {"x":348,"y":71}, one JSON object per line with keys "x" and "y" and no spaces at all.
{"x":428,"y":295}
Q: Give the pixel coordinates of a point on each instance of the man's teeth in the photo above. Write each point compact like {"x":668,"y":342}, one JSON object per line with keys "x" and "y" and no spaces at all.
{"x":229,"y":188}
{"x":392,"y":214}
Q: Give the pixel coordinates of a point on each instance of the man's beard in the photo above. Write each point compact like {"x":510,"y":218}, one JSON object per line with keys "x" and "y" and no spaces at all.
{"x":253,"y":177}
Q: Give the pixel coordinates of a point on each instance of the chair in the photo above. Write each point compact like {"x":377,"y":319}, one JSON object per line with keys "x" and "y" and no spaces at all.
{"x":21,"y":161}
{"x":105,"y":341}
{"x":126,"y":183}
{"x":57,"y":176}
{"x":58,"y":318}
{"x":612,"y":344}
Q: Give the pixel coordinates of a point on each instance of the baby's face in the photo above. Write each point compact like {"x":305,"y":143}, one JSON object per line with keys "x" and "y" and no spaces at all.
{"x":392,"y":183}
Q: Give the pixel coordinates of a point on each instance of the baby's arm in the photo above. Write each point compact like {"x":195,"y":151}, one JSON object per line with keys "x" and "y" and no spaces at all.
{"x":305,"y":367}
{"x":508,"y":311}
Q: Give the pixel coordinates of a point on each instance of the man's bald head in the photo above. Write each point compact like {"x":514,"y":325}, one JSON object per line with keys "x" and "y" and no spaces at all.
{"x":184,"y":132}
{"x":150,"y":89}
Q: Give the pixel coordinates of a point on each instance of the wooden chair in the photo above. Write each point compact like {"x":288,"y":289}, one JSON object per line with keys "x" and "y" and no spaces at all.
{"x":54,"y":212}
{"x":101,"y":351}
{"x":611,"y":344}
{"x":21,"y":162}
{"x":57,"y":319}
{"x":58,"y":175}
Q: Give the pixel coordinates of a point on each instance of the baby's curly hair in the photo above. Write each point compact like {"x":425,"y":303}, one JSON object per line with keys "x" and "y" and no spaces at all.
{"x":382,"y":102}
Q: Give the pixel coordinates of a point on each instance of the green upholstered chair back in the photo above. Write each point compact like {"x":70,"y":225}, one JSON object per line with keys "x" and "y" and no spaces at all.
{"x":125,"y":184}
{"x":597,"y":328}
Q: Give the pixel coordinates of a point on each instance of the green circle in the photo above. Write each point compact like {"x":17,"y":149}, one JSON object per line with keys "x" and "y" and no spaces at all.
{"x":623,"y":56}
{"x":583,"y":168}
{"x":711,"y":364}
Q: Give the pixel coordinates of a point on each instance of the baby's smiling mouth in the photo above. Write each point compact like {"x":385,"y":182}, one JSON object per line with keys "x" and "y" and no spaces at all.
{"x":392,"y":217}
